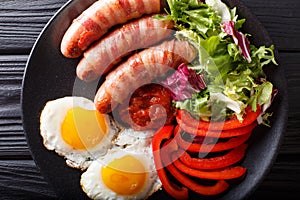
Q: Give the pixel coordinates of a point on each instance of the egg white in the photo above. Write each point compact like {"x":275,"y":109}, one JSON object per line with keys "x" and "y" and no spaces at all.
{"x":93,"y":185}
{"x":130,"y":138}
{"x":51,"y":119}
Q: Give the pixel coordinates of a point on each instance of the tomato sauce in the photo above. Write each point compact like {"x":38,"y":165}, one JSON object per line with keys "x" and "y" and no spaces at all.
{"x":150,"y":107}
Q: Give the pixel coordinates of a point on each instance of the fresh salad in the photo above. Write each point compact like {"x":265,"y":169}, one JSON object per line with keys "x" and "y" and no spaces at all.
{"x":220,"y":98}
{"x":228,"y":75}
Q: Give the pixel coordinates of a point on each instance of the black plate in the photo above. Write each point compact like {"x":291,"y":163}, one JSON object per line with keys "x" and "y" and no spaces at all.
{"x":49,"y":76}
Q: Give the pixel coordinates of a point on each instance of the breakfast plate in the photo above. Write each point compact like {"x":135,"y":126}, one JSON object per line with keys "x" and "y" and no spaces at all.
{"x":49,"y":75}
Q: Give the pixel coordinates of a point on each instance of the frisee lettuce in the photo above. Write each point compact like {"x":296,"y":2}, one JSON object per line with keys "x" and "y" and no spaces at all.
{"x":193,"y":15}
{"x":231,"y":78}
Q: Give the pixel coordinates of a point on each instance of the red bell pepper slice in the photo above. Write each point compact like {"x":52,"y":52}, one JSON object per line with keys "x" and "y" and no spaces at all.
{"x":171,"y":188}
{"x":219,"y":146}
{"x":218,"y":188}
{"x":215,"y":133}
{"x":230,"y":158}
{"x":218,"y":174}
{"x":249,"y":117}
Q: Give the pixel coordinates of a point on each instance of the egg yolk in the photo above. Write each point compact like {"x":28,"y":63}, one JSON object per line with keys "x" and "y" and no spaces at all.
{"x":83,"y":129}
{"x":125,"y":176}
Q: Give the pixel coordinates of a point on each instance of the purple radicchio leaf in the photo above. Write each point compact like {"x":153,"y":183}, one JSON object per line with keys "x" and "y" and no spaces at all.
{"x":183,"y":83}
{"x":239,"y":39}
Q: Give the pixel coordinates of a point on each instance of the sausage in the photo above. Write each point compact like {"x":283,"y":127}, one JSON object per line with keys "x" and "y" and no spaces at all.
{"x":95,"y":21}
{"x":140,"y":69}
{"x":106,"y":52}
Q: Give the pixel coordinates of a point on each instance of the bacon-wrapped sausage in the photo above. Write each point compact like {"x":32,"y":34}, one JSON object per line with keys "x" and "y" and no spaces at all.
{"x":140,"y":69}
{"x":106,"y":52}
{"x":99,"y":17}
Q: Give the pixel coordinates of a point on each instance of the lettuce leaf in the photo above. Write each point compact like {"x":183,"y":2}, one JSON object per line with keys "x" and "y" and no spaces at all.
{"x":194,"y":15}
{"x":232,"y":67}
{"x":239,"y":39}
{"x":220,"y":8}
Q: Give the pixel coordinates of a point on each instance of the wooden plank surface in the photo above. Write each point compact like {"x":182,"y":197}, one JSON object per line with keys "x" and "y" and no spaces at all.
{"x":281,"y":19}
{"x":21,"y":21}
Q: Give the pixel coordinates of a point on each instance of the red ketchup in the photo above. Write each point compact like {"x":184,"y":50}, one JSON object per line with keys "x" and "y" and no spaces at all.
{"x":150,"y":107}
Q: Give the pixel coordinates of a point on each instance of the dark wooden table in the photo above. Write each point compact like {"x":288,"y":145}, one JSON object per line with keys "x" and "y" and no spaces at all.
{"x":20,"y":24}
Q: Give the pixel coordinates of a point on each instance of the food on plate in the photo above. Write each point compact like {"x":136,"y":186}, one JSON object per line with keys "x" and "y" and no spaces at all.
{"x":210,"y":144}
{"x":186,"y":106}
{"x":217,"y":108}
{"x":134,"y":35}
{"x":149,"y":107}
{"x":129,"y":138}
{"x":249,"y":118}
{"x":163,"y":146}
{"x":118,"y":162}
{"x":230,"y":158}
{"x":96,"y":20}
{"x":207,"y":190}
{"x":74,"y":129}
{"x":141,"y":68}
{"x":125,"y":172}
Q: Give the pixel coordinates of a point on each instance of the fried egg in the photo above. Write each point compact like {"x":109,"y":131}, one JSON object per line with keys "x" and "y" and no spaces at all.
{"x":123,"y":173}
{"x":73,"y":128}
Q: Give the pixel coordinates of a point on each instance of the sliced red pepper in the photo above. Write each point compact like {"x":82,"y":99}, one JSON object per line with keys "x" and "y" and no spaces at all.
{"x":218,"y":188}
{"x":218,"y":174}
{"x":171,"y":188}
{"x":249,"y":117}
{"x":230,"y":158}
{"x":215,"y":133}
{"x":219,"y":146}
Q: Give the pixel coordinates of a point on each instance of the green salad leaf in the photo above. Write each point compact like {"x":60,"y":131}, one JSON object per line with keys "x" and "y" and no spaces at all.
{"x":233,"y":81}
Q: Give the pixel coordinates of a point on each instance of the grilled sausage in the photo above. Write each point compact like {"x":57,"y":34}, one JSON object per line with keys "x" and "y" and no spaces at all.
{"x":140,"y":69}
{"x":99,"y":17}
{"x":106,"y":52}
